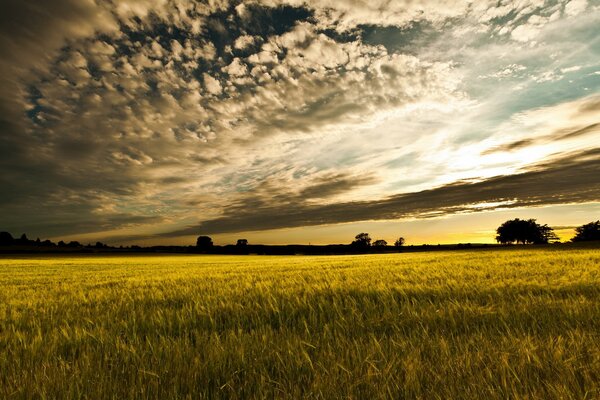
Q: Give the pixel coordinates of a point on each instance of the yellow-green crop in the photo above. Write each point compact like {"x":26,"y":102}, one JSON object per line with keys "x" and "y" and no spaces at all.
{"x":498,"y":324}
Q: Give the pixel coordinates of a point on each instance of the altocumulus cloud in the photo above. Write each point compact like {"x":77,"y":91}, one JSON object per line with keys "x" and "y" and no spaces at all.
{"x":148,"y":113}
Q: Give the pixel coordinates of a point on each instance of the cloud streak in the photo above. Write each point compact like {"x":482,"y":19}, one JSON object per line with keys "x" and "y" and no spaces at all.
{"x":569,"y":180}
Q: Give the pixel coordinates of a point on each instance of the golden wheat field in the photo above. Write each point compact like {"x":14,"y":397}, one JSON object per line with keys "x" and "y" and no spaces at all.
{"x":488,"y":324}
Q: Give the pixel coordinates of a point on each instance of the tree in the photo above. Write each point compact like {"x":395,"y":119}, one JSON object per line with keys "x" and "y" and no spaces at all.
{"x":6,"y":239}
{"x":399,"y":242}
{"x":362,"y":240}
{"x":23,"y":240}
{"x":524,"y":231}
{"x":242,"y":243}
{"x":548,"y":235}
{"x":587,"y":232}
{"x":204,"y":242}
{"x":380,"y":243}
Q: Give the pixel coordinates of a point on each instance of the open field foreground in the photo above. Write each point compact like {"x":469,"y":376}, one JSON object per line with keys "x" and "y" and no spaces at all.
{"x":495,"y":324}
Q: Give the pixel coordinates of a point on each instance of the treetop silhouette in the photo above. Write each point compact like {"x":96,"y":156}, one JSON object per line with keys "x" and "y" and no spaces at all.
{"x":525,"y":232}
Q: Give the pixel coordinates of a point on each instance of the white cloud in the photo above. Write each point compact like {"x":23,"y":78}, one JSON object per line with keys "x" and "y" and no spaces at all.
{"x":244,"y":41}
{"x":212,"y":85}
{"x":530,"y":30}
{"x":507,"y":72}
{"x":571,"y":69}
{"x":263,"y":57}
{"x":236,"y":68}
{"x":548,"y":76}
{"x":575,"y":7}
{"x":323,"y":52}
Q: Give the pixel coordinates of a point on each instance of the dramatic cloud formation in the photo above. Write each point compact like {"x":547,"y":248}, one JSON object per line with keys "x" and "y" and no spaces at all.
{"x":573,"y":179}
{"x":170,"y":117}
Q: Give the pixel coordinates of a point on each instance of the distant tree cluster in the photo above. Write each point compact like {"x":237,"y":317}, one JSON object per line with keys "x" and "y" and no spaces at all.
{"x":529,"y":231}
{"x":204,"y":242}
{"x":6,"y":239}
{"x":587,"y":232}
{"x":525,"y":231}
{"x":363,"y":241}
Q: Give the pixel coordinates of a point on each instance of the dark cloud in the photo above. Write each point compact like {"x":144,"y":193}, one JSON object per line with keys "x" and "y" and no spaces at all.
{"x":561,"y":134}
{"x":570,"y":134}
{"x":32,"y":31}
{"x":68,"y":216}
{"x":572,"y":179}
{"x":328,"y":186}
{"x":519,"y":144}
{"x":406,"y":39}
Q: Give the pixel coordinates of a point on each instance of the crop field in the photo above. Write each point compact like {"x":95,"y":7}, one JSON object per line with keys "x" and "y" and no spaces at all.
{"x":488,"y":324}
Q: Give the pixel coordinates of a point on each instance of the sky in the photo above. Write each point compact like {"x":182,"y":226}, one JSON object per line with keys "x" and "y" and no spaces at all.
{"x":285,"y":121}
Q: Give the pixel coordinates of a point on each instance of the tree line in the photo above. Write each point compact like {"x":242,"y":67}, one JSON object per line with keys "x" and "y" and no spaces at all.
{"x":6,"y":239}
{"x":510,"y":232}
{"x":515,"y":231}
{"x":530,"y":232}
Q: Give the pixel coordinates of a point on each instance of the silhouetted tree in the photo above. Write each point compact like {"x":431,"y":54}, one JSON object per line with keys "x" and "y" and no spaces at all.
{"x":204,"y":242}
{"x":524,"y":231}
{"x":74,"y":243}
{"x":6,"y":239}
{"x":548,"y":235}
{"x":587,"y":232}
{"x":24,"y":241}
{"x":380,"y":243}
{"x":399,"y":242}
{"x":242,"y":243}
{"x":362,"y":240}
{"x":63,"y":244}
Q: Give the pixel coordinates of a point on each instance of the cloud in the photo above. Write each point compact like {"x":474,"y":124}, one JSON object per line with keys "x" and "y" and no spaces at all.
{"x":508,"y":72}
{"x":125,"y":97}
{"x":212,"y":85}
{"x":244,"y":42}
{"x":572,"y":179}
{"x":575,"y":7}
{"x":570,"y":69}
{"x":127,"y":110}
{"x":568,"y":121}
{"x":561,"y":134}
{"x":332,"y":185}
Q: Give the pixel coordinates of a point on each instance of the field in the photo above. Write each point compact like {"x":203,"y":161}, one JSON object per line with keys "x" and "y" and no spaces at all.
{"x":497,"y":324}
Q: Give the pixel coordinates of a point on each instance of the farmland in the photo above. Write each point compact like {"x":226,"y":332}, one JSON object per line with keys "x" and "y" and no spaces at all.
{"x":494,"y":324}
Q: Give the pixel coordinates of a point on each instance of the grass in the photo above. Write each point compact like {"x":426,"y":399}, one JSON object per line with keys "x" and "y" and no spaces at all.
{"x":498,"y":324}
